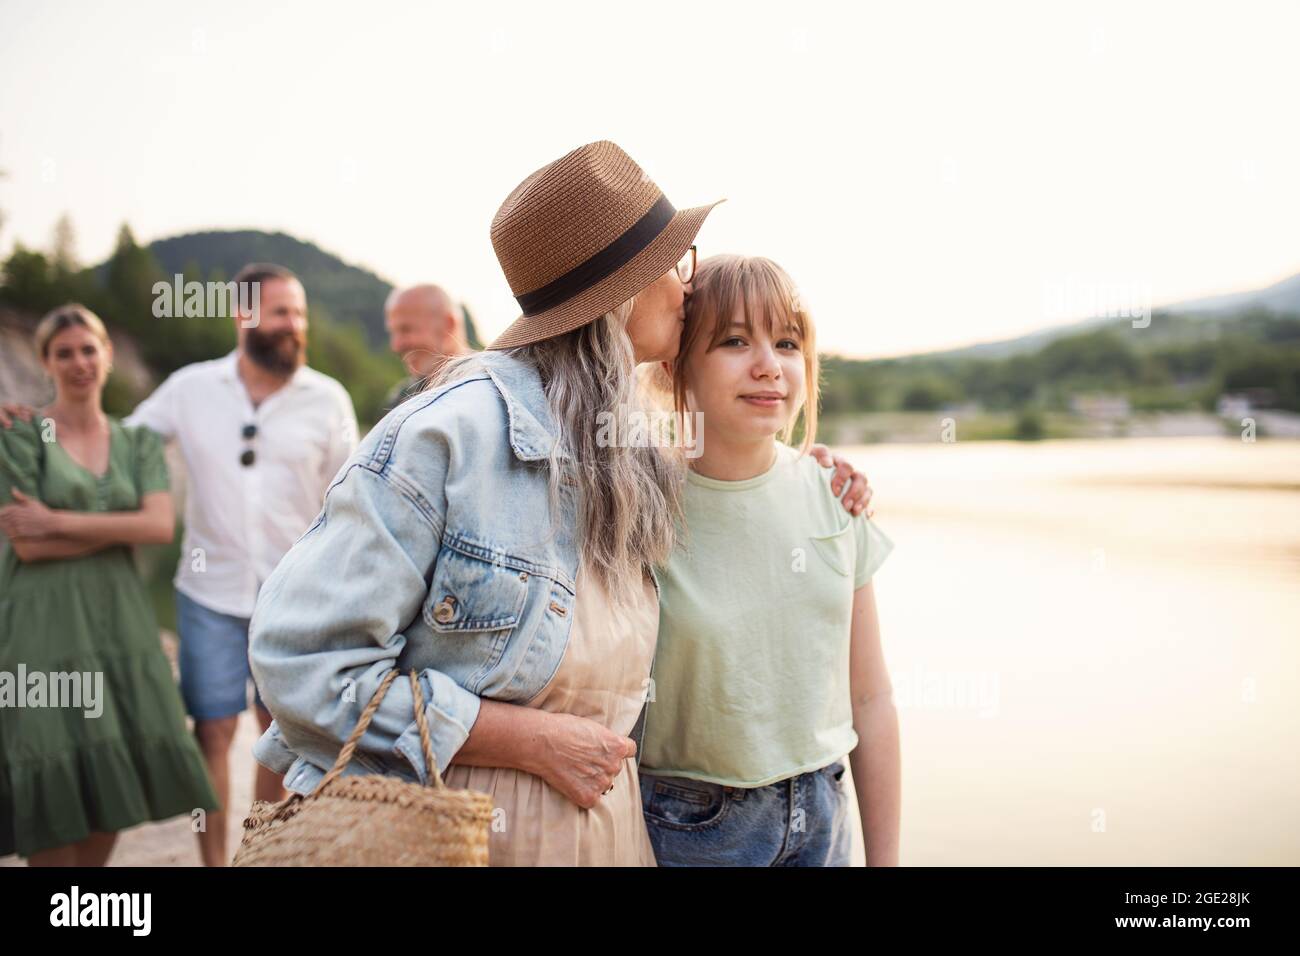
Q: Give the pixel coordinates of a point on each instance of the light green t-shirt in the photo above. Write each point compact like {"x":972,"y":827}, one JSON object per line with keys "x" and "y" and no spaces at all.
{"x":751,"y":675}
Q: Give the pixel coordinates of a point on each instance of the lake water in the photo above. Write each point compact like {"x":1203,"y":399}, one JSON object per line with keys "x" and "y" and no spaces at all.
{"x":1094,"y":649}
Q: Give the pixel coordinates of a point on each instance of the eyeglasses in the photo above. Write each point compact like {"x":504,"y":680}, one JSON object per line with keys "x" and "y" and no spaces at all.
{"x":247,"y":456}
{"x":686,"y":266}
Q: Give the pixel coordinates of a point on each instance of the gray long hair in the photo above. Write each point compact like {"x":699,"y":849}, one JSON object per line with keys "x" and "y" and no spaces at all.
{"x":629,"y":497}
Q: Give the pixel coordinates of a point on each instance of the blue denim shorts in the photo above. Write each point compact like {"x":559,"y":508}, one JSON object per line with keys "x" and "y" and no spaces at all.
{"x":800,"y":821}
{"x":214,"y":661}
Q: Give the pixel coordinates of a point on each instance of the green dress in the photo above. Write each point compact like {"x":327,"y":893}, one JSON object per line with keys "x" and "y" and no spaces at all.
{"x":64,"y":772}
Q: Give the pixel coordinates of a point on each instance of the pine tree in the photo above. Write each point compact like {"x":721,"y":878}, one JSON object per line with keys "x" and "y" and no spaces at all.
{"x":63,"y":247}
{"x":132,"y":272}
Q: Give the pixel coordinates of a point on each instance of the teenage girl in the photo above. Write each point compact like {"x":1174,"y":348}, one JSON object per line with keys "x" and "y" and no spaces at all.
{"x":769,"y":668}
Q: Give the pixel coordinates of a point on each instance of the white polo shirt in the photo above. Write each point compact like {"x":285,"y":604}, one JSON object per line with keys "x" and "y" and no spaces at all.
{"x":241,"y":519}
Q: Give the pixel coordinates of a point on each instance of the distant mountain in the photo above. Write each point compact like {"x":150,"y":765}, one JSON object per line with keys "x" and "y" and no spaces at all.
{"x":348,"y":293}
{"x":1282,"y":296}
{"x":1022,"y":344}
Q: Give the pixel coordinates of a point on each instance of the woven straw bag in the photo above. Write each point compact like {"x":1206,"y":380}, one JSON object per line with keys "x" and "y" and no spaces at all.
{"x":371,"y":820}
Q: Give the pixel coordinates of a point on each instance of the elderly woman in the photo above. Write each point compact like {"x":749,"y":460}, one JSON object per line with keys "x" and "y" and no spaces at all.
{"x":79,"y":490}
{"x":486,"y":536}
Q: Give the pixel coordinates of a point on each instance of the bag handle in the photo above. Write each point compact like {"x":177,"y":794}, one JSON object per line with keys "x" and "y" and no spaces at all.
{"x":350,"y":745}
{"x":290,"y":805}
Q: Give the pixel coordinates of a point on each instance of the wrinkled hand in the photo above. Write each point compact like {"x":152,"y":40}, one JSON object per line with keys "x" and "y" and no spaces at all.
{"x":858,"y":497}
{"x":582,"y":758}
{"x":27,"y":518}
{"x":11,"y":410}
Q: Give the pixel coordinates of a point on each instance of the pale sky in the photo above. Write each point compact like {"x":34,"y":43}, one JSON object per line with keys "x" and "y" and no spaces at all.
{"x":925,"y":172}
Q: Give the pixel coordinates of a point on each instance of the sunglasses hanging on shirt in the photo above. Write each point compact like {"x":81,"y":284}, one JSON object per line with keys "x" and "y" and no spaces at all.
{"x":247,"y":456}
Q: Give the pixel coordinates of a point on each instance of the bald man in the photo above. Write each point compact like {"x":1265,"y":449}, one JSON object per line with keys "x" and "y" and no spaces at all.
{"x":425,"y":327}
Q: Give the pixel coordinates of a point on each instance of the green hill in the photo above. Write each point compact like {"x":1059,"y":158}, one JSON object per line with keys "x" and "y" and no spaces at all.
{"x":346,"y":341}
{"x":1179,"y":362}
{"x":348,"y":293}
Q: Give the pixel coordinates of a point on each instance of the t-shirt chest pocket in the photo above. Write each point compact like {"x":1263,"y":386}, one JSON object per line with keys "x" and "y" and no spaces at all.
{"x":836,"y":550}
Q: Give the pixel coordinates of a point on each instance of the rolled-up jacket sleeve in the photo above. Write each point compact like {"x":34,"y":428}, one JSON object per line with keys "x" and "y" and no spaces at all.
{"x":329,"y":623}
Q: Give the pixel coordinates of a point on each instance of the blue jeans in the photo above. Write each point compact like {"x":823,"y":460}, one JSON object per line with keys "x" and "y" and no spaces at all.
{"x":799,"y":821}
{"x":213,"y":661}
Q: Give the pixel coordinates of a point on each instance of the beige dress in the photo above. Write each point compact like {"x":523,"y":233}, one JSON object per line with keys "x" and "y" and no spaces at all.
{"x":603,"y":676}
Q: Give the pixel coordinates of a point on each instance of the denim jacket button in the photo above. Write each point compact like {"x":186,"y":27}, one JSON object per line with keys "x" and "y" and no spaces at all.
{"x":445,"y":610}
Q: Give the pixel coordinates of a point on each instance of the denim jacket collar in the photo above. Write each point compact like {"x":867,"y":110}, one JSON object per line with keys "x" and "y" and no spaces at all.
{"x":532,"y":429}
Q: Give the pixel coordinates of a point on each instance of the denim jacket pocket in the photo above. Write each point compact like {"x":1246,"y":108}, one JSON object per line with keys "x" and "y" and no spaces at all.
{"x":836,"y":549}
{"x":468,"y":593}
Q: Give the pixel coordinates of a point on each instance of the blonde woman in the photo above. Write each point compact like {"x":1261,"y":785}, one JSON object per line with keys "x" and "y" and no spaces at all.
{"x":484,"y":536}
{"x":78,"y":490}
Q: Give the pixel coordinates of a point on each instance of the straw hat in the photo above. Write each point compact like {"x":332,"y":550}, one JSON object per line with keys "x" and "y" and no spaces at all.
{"x":581,"y":236}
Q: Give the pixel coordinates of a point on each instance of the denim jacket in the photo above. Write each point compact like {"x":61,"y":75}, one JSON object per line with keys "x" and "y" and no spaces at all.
{"x":433,"y":551}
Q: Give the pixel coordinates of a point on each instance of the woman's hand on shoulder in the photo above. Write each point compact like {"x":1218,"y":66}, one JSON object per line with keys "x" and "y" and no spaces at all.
{"x":858,"y":497}
{"x":9,"y":411}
